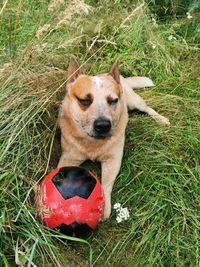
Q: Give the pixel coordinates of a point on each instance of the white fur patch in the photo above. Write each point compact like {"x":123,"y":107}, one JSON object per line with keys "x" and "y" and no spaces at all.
{"x":99,"y":95}
{"x":97,"y":81}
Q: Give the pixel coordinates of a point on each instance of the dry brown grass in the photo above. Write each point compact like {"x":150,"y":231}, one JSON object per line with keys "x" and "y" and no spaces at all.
{"x":54,"y":4}
{"x":64,"y":17}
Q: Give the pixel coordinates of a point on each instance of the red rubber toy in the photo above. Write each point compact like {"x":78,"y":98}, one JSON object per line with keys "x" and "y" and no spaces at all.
{"x":70,"y":199}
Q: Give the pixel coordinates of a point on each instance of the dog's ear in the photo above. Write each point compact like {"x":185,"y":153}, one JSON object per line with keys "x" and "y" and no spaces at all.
{"x":115,"y":72}
{"x":73,"y":70}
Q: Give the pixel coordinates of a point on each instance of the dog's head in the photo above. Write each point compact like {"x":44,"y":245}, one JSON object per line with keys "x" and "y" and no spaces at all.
{"x":94,"y":102}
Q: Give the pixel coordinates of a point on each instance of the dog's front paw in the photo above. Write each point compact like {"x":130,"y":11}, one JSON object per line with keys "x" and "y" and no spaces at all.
{"x":107,"y":212}
{"x":162,"y":120}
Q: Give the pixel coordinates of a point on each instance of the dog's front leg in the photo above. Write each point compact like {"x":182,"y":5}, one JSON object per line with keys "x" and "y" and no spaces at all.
{"x":110,"y":169}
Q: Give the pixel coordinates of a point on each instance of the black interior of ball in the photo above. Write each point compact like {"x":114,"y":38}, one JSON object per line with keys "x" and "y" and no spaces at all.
{"x":74,"y":181}
{"x":75,"y":229}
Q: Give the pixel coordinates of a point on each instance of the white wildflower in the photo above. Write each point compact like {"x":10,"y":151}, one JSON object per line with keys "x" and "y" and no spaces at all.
{"x":119,"y":219}
{"x":154,"y":21}
{"x":189,"y":16}
{"x":43,"y":45}
{"x":122,"y":213}
{"x":117,"y":206}
{"x":153,"y":46}
{"x":171,"y":38}
{"x":125,"y":213}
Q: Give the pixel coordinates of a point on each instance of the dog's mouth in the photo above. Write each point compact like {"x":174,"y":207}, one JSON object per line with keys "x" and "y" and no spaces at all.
{"x":100,"y":136}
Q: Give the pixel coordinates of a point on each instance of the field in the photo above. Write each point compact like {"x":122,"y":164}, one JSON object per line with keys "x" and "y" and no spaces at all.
{"x":160,"y":173}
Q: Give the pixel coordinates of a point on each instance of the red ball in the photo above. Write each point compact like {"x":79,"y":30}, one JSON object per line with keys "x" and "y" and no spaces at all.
{"x":70,"y":199}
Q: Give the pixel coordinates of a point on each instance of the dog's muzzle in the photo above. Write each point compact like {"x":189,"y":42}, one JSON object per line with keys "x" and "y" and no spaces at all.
{"x":102,"y":127}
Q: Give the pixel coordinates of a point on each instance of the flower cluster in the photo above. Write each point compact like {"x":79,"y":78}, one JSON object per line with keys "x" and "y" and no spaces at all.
{"x":122,"y":213}
{"x":189,"y":16}
{"x":154,"y":46}
{"x":171,"y":38}
{"x":154,"y":21}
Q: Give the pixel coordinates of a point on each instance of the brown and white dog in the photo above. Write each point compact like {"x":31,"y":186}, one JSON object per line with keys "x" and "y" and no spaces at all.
{"x":93,"y":117}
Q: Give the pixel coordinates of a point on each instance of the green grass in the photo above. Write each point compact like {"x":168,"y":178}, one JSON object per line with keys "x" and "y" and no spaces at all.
{"x":159,"y":177}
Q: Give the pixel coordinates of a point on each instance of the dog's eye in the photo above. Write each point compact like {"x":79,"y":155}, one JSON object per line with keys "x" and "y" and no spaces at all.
{"x":112,"y":101}
{"x":85,"y":101}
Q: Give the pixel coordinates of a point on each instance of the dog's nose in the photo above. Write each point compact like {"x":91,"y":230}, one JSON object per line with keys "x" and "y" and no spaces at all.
{"x":102,"y":125}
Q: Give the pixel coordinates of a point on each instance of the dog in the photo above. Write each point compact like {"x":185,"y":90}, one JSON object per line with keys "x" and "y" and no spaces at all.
{"x":93,"y":117}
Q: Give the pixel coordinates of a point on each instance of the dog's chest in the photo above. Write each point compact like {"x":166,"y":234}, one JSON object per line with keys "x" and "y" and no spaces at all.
{"x":97,"y":150}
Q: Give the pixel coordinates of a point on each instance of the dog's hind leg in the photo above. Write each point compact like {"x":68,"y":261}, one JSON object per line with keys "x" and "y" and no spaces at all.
{"x":134,"y":101}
